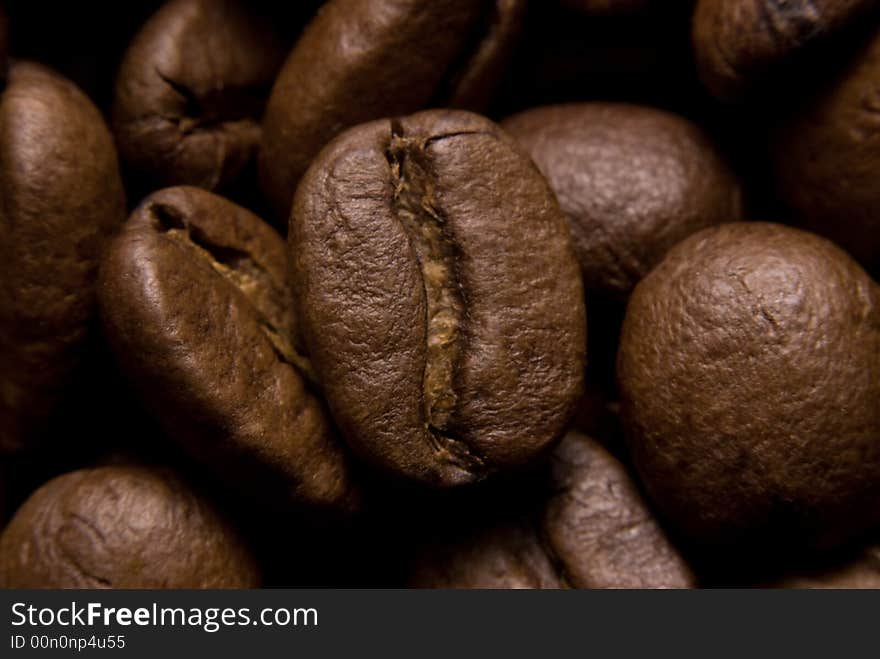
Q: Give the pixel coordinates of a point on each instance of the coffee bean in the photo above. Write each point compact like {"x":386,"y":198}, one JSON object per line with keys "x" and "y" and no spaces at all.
{"x":122,"y":527}
{"x":825,"y":156}
{"x":361,"y":60}
{"x":503,"y":556}
{"x":61,"y":197}
{"x":196,"y":305}
{"x":592,"y":530}
{"x":190,"y":94}
{"x":632,"y":181}
{"x":741,"y":43}
{"x":600,"y":528}
{"x":441,"y":304}
{"x":749,"y":370}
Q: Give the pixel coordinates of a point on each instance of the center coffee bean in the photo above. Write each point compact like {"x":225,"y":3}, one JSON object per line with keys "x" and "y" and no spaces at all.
{"x":439,"y":296}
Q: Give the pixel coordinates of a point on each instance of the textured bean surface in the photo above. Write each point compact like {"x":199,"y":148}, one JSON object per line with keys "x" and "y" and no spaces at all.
{"x":61,"y":197}
{"x":121,"y":527}
{"x":737,"y":42}
{"x":361,"y":60}
{"x":599,"y":527}
{"x":749,"y":369}
{"x":633,"y":181}
{"x":592,"y":529}
{"x":441,"y":305}
{"x":507,"y":556}
{"x":196,"y":305}
{"x":190,"y":93}
{"x":826,"y":157}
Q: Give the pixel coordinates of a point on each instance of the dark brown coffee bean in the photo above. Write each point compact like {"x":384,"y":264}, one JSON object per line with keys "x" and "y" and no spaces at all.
{"x":593,"y":530}
{"x":122,"y":527}
{"x":361,"y":60}
{"x":738,"y":43}
{"x":440,"y":298}
{"x":196,"y":306}
{"x":60,"y":197}
{"x":599,"y":527}
{"x":633,"y":181}
{"x":749,"y":370}
{"x":506,"y":556}
{"x":190,"y":94}
{"x":826,"y":158}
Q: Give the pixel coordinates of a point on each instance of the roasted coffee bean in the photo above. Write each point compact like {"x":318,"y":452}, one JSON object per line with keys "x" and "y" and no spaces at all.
{"x":122,"y":527}
{"x":633,"y":181}
{"x":749,"y":369}
{"x":197,"y":308}
{"x":594,"y":530}
{"x":827,"y":154}
{"x":739,"y":43}
{"x":439,"y":295}
{"x":599,"y":527}
{"x":504,"y":556}
{"x":361,"y":60}
{"x":190,"y":94}
{"x":60,"y":197}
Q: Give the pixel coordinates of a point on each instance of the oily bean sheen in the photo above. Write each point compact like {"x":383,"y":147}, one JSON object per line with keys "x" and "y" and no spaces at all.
{"x":632,"y":181}
{"x":749,"y":370}
{"x":827,"y":154}
{"x":60,"y":197}
{"x":439,"y":296}
{"x":594,"y":530}
{"x":361,"y":60}
{"x":190,"y":94}
{"x":122,"y":527}
{"x":196,"y":306}
{"x":739,"y":42}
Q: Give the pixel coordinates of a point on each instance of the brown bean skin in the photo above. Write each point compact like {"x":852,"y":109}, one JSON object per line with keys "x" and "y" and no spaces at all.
{"x":61,"y":197}
{"x":122,"y":527}
{"x":361,"y":60}
{"x":442,"y":308}
{"x":633,"y":181}
{"x":591,"y":528}
{"x":749,"y":370}
{"x":825,"y":156}
{"x":739,"y":43}
{"x":196,"y":305}
{"x":190,"y":94}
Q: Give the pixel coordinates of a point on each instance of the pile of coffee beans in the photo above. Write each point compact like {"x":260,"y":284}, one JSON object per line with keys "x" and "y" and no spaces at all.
{"x":440,"y":294}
